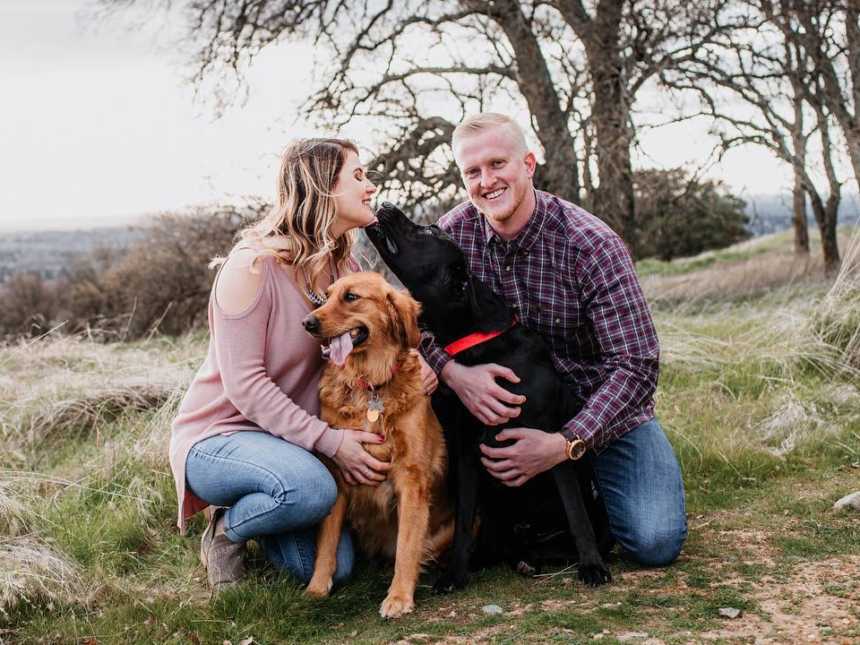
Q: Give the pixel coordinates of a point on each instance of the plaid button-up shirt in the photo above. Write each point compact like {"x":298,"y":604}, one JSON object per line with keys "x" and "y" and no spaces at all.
{"x":569,"y":277}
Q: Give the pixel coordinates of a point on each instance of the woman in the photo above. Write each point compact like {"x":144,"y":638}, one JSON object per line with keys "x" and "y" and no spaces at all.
{"x":246,"y":431}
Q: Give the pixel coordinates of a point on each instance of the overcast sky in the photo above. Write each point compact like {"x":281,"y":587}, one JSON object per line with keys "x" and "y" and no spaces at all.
{"x":98,"y":124}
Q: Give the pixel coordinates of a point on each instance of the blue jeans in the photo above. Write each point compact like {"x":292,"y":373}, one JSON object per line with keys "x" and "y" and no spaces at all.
{"x":277,"y":493}
{"x":640,"y":482}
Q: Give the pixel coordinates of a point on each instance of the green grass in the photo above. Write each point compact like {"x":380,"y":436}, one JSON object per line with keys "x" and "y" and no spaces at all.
{"x":763,"y":415}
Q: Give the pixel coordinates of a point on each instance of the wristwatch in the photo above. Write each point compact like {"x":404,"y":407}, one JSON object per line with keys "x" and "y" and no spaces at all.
{"x":575,"y":449}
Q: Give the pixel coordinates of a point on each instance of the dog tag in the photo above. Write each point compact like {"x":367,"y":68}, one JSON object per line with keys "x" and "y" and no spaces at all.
{"x":374,"y":408}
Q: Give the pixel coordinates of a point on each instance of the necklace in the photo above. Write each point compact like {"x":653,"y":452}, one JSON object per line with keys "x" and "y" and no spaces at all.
{"x":318,"y":299}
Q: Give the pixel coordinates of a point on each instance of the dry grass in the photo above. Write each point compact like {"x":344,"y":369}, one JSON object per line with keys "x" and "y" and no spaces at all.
{"x":30,"y":570}
{"x":838,"y":321}
{"x":59,"y":388}
{"x":750,"y":269}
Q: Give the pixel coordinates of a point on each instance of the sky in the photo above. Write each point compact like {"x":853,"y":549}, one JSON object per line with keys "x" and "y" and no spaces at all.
{"x":98,"y":123}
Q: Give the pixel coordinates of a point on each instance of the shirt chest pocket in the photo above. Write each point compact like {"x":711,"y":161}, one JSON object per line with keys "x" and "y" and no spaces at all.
{"x":557,"y":316}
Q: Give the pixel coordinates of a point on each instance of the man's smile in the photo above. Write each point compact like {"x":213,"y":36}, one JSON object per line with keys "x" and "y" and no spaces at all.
{"x":495,"y":194}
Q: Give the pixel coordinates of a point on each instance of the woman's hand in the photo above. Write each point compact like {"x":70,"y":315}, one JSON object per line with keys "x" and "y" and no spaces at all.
{"x":355,"y":463}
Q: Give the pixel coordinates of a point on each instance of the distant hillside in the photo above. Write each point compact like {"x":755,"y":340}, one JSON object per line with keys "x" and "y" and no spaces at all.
{"x":772,"y":213}
{"x":51,"y":253}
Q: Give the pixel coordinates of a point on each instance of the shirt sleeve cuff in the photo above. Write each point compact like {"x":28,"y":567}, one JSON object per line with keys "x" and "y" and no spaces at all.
{"x":580,"y":428}
{"x":435,"y":356}
{"x":329,"y":441}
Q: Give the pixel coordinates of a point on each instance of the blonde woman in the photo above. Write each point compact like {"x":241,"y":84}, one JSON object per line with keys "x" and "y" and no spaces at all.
{"x":247,"y":430}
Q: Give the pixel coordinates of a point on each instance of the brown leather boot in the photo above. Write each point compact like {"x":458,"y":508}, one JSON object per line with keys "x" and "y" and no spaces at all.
{"x":223,"y":560}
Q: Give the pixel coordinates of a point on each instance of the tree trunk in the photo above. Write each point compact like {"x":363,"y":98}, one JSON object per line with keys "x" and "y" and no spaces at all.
{"x":826,"y":217}
{"x":801,"y":228}
{"x":798,"y":162}
{"x":614,"y":199}
{"x":560,"y":173}
{"x":829,"y":243}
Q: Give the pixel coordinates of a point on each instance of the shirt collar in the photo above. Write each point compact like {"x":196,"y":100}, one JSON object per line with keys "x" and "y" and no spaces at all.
{"x":530,"y":232}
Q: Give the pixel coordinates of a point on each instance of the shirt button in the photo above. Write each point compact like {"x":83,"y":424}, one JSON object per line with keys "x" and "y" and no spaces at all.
{"x":507,"y":267}
{"x":558,"y":320}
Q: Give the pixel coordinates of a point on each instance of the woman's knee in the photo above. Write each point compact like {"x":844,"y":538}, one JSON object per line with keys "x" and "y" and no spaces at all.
{"x":311,"y":498}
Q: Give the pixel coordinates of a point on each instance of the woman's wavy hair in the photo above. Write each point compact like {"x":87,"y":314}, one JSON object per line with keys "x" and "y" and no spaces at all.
{"x":298,"y":229}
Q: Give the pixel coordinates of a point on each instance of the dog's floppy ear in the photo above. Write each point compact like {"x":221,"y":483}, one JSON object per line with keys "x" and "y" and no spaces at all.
{"x":403,"y":312}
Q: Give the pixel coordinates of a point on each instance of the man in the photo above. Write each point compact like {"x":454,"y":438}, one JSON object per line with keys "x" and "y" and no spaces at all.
{"x":569,"y":277}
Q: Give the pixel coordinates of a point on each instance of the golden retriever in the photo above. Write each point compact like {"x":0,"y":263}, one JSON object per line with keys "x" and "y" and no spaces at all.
{"x":372,"y":331}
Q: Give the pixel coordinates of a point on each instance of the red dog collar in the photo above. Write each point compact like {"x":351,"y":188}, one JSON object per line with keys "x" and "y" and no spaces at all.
{"x":476,"y":338}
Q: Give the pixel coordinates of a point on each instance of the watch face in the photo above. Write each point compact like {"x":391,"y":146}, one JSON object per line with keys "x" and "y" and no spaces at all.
{"x":577,"y":449}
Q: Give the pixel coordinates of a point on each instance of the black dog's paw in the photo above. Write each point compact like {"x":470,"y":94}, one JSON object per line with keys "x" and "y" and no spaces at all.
{"x":594,"y":574}
{"x":449,"y":581}
{"x":525,"y":569}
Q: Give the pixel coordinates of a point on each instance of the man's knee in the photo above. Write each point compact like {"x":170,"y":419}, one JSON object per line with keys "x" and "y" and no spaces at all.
{"x":655,"y":548}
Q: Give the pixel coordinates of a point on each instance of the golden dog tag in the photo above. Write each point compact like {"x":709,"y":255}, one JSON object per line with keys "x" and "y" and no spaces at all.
{"x":374,"y":408}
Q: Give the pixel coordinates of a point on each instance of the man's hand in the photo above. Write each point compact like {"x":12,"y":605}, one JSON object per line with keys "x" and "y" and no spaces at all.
{"x":534,"y":452}
{"x":483,"y":397}
{"x":429,"y":381}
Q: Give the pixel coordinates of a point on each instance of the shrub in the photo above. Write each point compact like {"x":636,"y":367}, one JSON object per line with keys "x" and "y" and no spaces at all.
{"x":159,"y":283}
{"x":681,"y":216}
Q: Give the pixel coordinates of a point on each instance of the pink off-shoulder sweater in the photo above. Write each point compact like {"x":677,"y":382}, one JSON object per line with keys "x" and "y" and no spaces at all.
{"x":261,"y":372}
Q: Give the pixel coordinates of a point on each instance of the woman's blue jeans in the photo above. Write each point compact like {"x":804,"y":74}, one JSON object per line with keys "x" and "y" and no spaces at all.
{"x":640,"y":481}
{"x":277,"y":493}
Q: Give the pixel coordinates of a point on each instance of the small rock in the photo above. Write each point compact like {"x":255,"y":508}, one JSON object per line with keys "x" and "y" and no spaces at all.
{"x":492,"y":610}
{"x":849,"y":501}
{"x":631,"y":636}
{"x":730,"y":612}
{"x":610,"y":605}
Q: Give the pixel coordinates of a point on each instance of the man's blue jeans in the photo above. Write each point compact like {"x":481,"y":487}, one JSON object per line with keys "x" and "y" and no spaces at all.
{"x":640,"y":482}
{"x":277,"y":493}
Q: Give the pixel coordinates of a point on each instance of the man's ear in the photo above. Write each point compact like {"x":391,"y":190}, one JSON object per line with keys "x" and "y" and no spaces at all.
{"x":531,"y":163}
{"x":403,"y":312}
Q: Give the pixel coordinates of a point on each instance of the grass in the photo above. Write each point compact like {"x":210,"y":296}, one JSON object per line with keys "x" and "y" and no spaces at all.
{"x":758,"y":394}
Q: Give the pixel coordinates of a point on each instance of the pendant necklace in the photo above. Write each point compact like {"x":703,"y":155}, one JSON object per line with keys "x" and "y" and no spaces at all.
{"x":318,"y":299}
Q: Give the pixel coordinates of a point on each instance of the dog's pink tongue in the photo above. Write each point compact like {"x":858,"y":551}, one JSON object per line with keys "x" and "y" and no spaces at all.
{"x":340,"y":348}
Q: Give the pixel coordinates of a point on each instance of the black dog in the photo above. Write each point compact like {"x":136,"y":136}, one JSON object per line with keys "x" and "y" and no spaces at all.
{"x":454,"y":305}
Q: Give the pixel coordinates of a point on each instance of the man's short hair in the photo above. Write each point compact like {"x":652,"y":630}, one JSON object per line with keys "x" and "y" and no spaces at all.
{"x":476,"y":123}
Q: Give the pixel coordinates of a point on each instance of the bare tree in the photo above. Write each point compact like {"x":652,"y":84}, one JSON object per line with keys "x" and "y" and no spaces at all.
{"x":412,"y":69}
{"x":829,"y":31}
{"x":767,"y":66}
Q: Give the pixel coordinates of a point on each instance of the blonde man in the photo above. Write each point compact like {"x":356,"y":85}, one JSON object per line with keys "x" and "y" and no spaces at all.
{"x":570,"y":278}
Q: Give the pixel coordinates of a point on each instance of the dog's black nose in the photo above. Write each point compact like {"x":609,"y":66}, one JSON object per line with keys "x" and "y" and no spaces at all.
{"x":311,"y":323}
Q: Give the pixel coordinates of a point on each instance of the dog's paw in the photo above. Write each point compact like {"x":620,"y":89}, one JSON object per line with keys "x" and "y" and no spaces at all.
{"x":594,"y":574}
{"x":447,"y":582}
{"x":318,"y":588}
{"x":525,"y":569}
{"x":395,"y":605}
